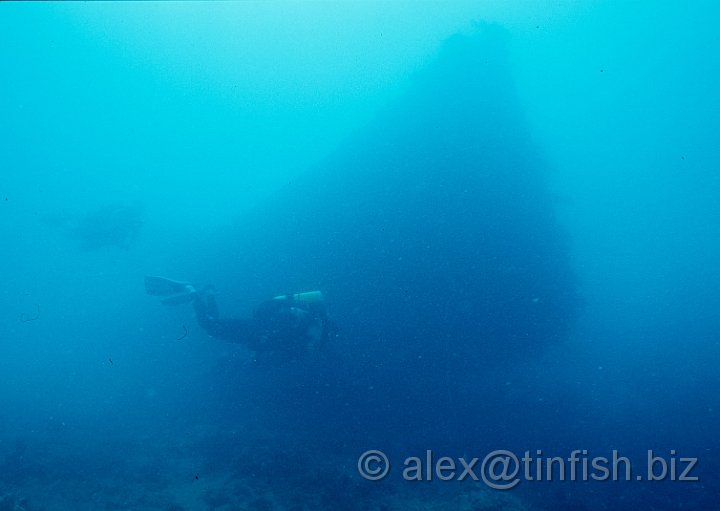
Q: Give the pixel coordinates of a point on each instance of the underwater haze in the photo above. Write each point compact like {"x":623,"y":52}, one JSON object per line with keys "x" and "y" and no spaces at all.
{"x":511,"y":210}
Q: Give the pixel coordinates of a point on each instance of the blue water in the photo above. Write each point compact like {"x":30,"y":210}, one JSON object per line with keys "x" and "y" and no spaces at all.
{"x":512,"y":212}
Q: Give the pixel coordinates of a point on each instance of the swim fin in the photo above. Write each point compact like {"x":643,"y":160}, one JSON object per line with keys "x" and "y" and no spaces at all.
{"x":174,"y":292}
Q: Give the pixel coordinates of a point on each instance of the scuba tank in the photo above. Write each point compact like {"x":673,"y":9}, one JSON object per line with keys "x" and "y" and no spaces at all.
{"x":306,"y":297}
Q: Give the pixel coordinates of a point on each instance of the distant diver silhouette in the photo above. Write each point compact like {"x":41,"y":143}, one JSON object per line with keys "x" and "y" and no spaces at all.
{"x":285,"y":327}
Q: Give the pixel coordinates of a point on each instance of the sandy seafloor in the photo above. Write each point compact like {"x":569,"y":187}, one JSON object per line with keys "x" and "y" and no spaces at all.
{"x":174,"y":478}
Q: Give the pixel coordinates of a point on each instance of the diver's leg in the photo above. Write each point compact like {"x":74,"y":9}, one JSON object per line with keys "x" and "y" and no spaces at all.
{"x":206,"y":309}
{"x":208,"y":293}
{"x":237,"y":330}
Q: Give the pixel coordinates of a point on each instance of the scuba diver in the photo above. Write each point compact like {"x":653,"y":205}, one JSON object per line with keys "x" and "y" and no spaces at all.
{"x":285,"y":327}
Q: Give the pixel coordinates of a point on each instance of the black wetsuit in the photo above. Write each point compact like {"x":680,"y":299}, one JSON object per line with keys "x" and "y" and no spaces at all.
{"x":283,"y":328}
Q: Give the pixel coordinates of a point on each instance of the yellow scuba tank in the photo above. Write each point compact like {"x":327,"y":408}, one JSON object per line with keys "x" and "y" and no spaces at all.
{"x":306,"y":297}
